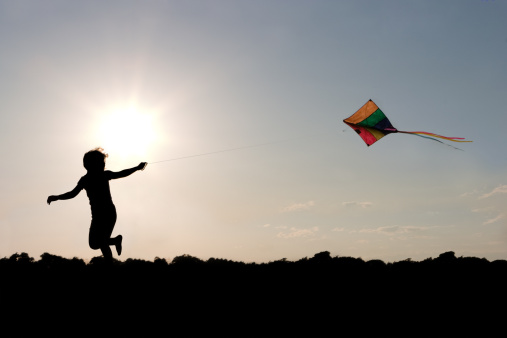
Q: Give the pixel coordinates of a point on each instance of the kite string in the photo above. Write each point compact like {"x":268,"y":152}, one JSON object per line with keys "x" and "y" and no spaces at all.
{"x":204,"y":154}
{"x":229,"y":149}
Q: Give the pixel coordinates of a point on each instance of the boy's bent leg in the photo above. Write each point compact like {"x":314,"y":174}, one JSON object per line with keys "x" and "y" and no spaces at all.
{"x":117,"y":244}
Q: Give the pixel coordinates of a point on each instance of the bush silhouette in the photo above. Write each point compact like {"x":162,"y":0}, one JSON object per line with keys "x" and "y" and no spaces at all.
{"x":280,"y":297}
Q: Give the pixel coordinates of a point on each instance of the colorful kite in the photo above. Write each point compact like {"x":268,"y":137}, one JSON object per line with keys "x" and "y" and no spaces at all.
{"x":371,"y":124}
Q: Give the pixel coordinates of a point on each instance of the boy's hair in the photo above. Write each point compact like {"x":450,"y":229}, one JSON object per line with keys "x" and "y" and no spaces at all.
{"x":95,"y":159}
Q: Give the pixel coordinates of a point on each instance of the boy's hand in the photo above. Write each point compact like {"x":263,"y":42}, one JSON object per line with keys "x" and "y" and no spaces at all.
{"x":52,"y":198}
{"x":142,"y":165}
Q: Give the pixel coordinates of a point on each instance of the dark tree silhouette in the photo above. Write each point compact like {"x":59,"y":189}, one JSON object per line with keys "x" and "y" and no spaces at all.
{"x":443,"y":296}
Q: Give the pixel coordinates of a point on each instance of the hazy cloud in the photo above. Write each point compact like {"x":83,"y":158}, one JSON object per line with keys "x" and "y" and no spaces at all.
{"x":338,"y":229}
{"x":294,"y":233}
{"x":468,"y":193}
{"x":485,"y":209}
{"x":494,"y":220}
{"x":359,"y":204}
{"x":394,"y":230}
{"x":298,"y":206}
{"x":498,"y":190}
{"x":495,"y":243}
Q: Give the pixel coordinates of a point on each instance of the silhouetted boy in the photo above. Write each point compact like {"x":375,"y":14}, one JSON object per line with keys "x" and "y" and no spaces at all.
{"x":96,"y":184}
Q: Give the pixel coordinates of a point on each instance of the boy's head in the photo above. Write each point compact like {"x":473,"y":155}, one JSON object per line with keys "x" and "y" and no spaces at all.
{"x":95,"y":160}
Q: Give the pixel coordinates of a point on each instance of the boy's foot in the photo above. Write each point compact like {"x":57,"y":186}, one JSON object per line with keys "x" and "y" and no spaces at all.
{"x":119,"y":238}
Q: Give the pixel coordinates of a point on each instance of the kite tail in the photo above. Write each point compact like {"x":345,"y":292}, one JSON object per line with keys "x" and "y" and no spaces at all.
{"x":434,"y":139}
{"x":433,"y":136}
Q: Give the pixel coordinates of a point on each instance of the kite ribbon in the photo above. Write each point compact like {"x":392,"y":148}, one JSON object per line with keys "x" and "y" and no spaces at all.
{"x":432,"y":136}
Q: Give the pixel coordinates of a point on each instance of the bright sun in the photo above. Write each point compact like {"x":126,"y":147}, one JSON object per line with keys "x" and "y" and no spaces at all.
{"x":127,"y":132}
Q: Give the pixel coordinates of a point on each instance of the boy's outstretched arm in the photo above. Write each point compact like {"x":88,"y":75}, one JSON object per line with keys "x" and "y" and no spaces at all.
{"x":127,"y":172}
{"x":68,"y":195}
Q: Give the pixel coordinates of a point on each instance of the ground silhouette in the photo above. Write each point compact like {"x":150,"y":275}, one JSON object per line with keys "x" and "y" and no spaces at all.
{"x":442,"y":296}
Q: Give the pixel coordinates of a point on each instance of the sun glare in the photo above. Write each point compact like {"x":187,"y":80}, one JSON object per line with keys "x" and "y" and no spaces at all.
{"x":127,"y":132}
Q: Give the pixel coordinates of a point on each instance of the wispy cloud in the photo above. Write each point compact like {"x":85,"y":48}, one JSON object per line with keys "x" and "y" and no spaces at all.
{"x":298,"y":206}
{"x":338,"y":229}
{"x":495,"y":243}
{"x":394,"y":230}
{"x":468,"y":193}
{"x":295,"y":233}
{"x":494,"y":220}
{"x":498,"y":190}
{"x":360,"y":204}
{"x":485,"y":209}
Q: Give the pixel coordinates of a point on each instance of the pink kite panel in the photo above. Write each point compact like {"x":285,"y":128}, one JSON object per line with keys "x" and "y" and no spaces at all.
{"x":368,"y":137}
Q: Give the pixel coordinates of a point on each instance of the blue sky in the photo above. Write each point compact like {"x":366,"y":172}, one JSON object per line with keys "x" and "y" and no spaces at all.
{"x":157,"y":80}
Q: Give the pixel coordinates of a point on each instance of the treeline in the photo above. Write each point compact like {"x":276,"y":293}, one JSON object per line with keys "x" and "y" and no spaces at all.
{"x":322,"y":271}
{"x":445,"y":263}
{"x":307,"y":297}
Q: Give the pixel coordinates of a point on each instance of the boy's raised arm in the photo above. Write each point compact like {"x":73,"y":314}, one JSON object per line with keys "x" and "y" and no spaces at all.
{"x":68,"y":195}
{"x":127,"y":172}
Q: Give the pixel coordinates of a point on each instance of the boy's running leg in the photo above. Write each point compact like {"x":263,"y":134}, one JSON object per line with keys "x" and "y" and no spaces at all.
{"x":106,"y":252}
